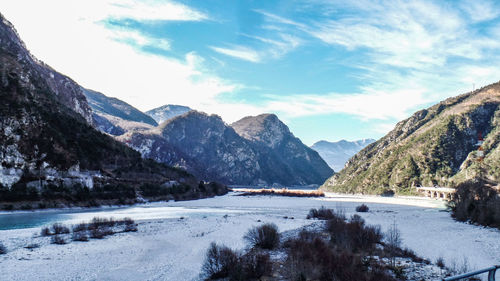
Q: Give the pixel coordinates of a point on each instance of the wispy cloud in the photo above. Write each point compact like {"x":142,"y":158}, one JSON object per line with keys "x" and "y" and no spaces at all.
{"x":239,"y":52}
{"x":480,"y":11}
{"x":153,"y":10}
{"x":414,"y":53}
{"x":138,"y":39}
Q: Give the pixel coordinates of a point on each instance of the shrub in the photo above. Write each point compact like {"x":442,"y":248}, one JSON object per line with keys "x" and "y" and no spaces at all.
{"x":220,"y":262}
{"x":57,"y":239}
{"x":80,"y":227}
{"x":353,"y":235}
{"x":3,"y":249}
{"x":255,"y":265}
{"x":387,"y":193}
{"x":362,"y":208}
{"x":440,"y":262}
{"x":96,"y":233}
{"x":265,"y":236}
{"x":45,"y":231}
{"x":80,"y":236}
{"x":309,"y":257}
{"x":321,"y":213}
{"x":100,"y":222}
{"x":130,"y":225}
{"x":58,"y":228}
{"x":100,"y":232}
{"x":477,"y":202}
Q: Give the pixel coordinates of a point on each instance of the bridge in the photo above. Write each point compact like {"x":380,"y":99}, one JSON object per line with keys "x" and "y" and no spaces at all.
{"x":436,"y":192}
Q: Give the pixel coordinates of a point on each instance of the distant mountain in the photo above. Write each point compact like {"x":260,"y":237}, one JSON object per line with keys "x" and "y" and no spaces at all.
{"x":49,"y":148}
{"x":337,"y":153}
{"x":167,"y":112}
{"x":114,"y":116}
{"x":206,"y":146}
{"x":435,"y":146}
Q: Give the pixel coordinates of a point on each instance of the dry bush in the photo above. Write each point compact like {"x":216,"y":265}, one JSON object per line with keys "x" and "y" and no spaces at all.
{"x":255,"y":265}
{"x":220,"y":262}
{"x":309,"y":257}
{"x":45,"y":231}
{"x":80,"y":227}
{"x":265,"y":236}
{"x":322,"y":214}
{"x":476,"y":201}
{"x":3,"y":249}
{"x":98,"y":222}
{"x":101,"y":232}
{"x":283,"y":192}
{"x":362,"y":208}
{"x":58,"y":228}
{"x":57,"y":239}
{"x":80,"y":236}
{"x":223,"y":263}
{"x":353,"y":235}
{"x":440,"y":262}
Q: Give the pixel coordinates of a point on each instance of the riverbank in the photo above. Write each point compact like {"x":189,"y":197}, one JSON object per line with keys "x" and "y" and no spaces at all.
{"x":174,"y":248}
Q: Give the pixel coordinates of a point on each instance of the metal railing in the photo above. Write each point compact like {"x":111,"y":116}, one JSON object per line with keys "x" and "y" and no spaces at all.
{"x":491,"y":274}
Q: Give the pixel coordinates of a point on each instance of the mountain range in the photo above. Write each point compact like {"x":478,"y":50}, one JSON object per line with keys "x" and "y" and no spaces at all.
{"x":435,"y":146}
{"x":257,"y":150}
{"x":336,"y":154}
{"x":48,"y":145}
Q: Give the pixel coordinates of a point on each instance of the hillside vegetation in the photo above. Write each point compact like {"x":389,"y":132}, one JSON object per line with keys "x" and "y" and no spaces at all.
{"x":435,"y":146}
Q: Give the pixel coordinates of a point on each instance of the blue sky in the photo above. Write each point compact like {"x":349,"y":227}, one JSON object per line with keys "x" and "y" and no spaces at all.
{"x":330,"y":69}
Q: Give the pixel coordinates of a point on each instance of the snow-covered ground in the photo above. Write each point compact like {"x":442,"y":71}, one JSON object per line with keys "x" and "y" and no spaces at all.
{"x":174,"y":248}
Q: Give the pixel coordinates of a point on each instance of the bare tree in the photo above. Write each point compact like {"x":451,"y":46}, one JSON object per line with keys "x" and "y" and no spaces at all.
{"x":393,"y":241}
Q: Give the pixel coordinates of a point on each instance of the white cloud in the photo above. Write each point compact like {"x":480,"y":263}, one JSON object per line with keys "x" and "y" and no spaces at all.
{"x":155,"y":10}
{"x":480,"y":10}
{"x":240,"y":52}
{"x":372,"y":104}
{"x":135,"y":38}
{"x":68,"y":36}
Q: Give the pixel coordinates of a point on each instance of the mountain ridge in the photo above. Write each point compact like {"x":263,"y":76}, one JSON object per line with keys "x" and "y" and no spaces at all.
{"x":435,"y":146}
{"x":206,"y":146}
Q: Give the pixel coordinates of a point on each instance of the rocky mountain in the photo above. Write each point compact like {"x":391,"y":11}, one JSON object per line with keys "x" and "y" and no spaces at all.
{"x":435,"y":146}
{"x":114,"y":116}
{"x":336,"y":154}
{"x":207,"y":147}
{"x":267,"y":132}
{"x":166,"y":112}
{"x":15,"y":55}
{"x":48,"y":147}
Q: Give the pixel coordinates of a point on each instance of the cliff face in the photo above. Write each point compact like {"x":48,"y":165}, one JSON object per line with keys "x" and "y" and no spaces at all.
{"x":269,"y":134}
{"x":206,"y":146}
{"x":16,"y":56}
{"x":435,"y":146}
{"x":46,"y":137}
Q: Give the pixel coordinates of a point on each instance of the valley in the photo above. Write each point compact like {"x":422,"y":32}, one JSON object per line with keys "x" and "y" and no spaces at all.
{"x":158,"y":250}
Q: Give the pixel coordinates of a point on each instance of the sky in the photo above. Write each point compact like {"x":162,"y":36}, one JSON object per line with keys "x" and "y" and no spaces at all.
{"x":330,"y":70}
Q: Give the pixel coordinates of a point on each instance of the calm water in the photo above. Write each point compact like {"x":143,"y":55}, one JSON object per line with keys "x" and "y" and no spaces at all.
{"x":17,"y":220}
